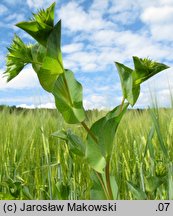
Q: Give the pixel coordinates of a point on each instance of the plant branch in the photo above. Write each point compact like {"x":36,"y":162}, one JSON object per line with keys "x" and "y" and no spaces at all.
{"x":97,"y":173}
{"x":102,"y":184}
{"x":108,"y":183}
{"x":122,"y":103}
{"x":68,"y":92}
{"x":35,"y":62}
{"x":90,"y":132}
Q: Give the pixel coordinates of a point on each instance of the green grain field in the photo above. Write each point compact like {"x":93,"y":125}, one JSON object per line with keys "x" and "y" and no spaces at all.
{"x":36,"y":165}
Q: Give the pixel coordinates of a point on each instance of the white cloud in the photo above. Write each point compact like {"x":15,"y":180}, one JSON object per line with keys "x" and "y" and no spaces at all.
{"x":13,"y":2}
{"x":162,"y":32}
{"x":26,"y":79}
{"x":108,"y":96}
{"x":74,"y":47}
{"x":47,"y":105}
{"x":161,"y":15}
{"x":83,"y":60}
{"x":159,"y":87}
{"x":40,"y":106}
{"x":109,"y":46}
{"x":38,"y":3}
{"x":75,"y":18}
{"x":21,"y":99}
{"x":36,"y":99}
{"x":159,"y":20}
{"x":142,"y":46}
{"x":14,"y":18}
{"x":105,"y":37}
{"x":32,"y":106}
{"x":99,"y":6}
{"x":99,"y":37}
{"x":11,"y":20}
{"x":96,"y":101}
{"x":125,"y":17}
{"x":107,"y":40}
{"x":3,"y":9}
{"x":124,"y":12}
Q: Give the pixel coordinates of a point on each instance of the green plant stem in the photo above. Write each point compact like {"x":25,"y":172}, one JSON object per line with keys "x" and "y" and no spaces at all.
{"x":102,"y":184}
{"x":46,"y":151}
{"x":108,"y":182}
{"x":97,"y":173}
{"x":122,"y":103}
{"x":89,"y":132}
{"x":68,"y":92}
{"x":35,"y":62}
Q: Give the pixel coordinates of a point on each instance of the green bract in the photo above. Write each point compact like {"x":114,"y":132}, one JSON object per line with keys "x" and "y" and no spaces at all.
{"x":41,"y":25}
{"x":146,"y":68}
{"x":45,"y":56}
{"x":19,"y":55}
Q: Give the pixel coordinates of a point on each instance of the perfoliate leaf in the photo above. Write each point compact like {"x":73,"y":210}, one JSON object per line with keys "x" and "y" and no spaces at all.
{"x":61,"y":134}
{"x":136,"y":192}
{"x":19,"y":55}
{"x":75,"y":144}
{"x":149,"y":144}
{"x":62,"y":190}
{"x":26,"y":193}
{"x":97,"y":192}
{"x":131,"y":79}
{"x":114,"y":187}
{"x":46,"y":77}
{"x":130,"y":90}
{"x":48,"y":61}
{"x":54,"y":45}
{"x":158,"y":132}
{"x":170,"y":181}
{"x":97,"y":153}
{"x":146,"y":68}
{"x":68,"y":97}
{"x":41,"y":25}
{"x":94,"y":156}
{"x":53,"y":59}
{"x":105,"y":128}
{"x":153,"y":182}
{"x":38,"y":54}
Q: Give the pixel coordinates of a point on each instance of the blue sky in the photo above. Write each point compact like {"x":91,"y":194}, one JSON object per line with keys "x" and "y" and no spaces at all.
{"x":95,"y":33}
